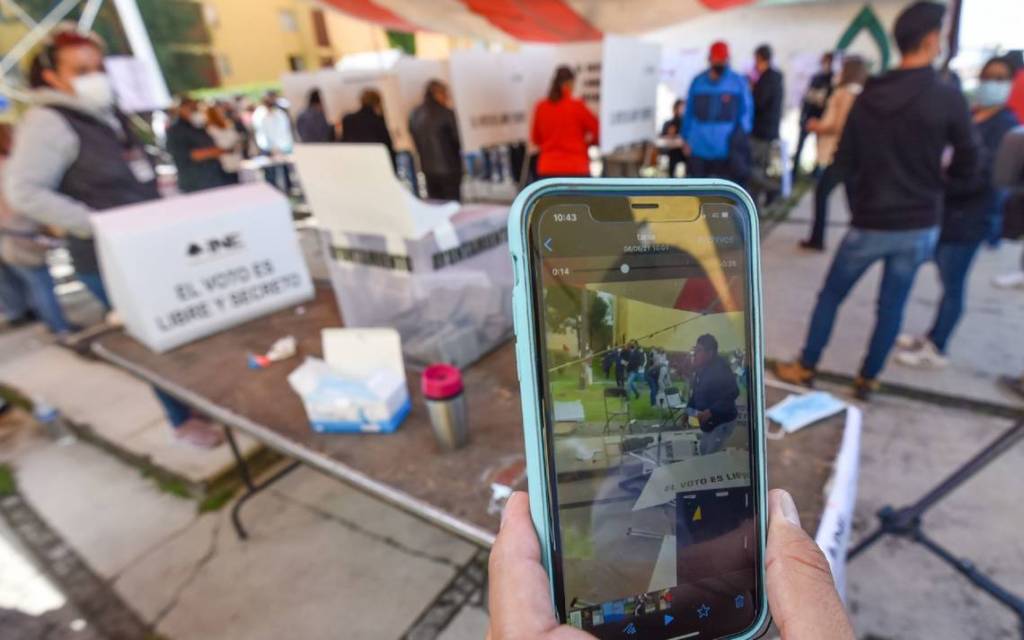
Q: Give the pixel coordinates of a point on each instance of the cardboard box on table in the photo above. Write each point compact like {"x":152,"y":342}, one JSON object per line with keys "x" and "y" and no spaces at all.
{"x":439,"y":273}
{"x":182,"y":268}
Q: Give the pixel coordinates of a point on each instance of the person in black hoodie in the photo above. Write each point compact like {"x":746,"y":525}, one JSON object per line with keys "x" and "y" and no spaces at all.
{"x":972,"y":209}
{"x":713,"y":395}
{"x":890,"y":156}
{"x":768,"y":93}
{"x":367,"y":125}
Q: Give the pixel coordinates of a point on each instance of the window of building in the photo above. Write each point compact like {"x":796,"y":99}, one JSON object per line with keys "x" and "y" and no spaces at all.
{"x":211,"y":16}
{"x":288,"y":20}
{"x":326,"y":62}
{"x":224,"y":64}
{"x":296,"y":63}
{"x":323,"y":38}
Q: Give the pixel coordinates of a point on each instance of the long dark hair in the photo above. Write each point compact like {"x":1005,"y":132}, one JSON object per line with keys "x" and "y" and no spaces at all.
{"x":563,"y":74}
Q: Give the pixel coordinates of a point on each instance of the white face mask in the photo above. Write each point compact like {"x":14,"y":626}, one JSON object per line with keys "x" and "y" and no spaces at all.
{"x":198,"y":119}
{"x":94,"y":90}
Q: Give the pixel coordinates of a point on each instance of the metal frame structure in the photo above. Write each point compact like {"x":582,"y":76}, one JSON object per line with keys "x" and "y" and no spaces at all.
{"x":906,"y":522}
{"x":131,"y":21}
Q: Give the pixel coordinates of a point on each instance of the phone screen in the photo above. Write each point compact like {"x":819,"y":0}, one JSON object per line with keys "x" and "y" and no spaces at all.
{"x":645,"y":343}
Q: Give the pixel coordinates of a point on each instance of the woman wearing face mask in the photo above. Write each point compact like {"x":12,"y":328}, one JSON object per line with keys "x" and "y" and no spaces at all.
{"x":971,"y":209}
{"x":75,"y":156}
{"x":195,"y":153}
{"x":227,"y":138}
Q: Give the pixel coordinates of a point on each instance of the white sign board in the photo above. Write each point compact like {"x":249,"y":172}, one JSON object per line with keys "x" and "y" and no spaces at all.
{"x":134,"y":85}
{"x":679,"y":66}
{"x":629,"y":91}
{"x":488,"y":89}
{"x":182,"y":268}
{"x":540,"y":62}
{"x":340,"y":91}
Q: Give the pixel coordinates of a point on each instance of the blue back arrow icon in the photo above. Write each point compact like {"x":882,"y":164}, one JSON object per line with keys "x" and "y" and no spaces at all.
{"x":547,"y":244}
{"x":668,"y":619}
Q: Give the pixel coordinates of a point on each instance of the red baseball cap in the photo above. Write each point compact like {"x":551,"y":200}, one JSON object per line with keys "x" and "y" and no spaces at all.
{"x":719,"y":52}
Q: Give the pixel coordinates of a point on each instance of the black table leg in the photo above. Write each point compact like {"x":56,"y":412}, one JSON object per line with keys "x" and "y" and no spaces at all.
{"x":251,"y":487}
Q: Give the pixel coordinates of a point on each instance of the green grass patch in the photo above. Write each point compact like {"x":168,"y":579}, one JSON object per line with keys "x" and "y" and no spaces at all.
{"x":7,"y":484}
{"x":217,"y":499}
{"x":565,"y":388}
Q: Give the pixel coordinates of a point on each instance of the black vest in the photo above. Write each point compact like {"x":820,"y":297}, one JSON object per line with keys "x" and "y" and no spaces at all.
{"x":100,"y":176}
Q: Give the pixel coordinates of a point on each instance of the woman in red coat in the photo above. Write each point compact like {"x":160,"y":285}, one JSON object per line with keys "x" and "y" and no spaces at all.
{"x":563,"y":129}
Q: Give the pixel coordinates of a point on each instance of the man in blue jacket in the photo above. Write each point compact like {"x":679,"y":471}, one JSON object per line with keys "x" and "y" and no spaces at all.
{"x":719,"y":115}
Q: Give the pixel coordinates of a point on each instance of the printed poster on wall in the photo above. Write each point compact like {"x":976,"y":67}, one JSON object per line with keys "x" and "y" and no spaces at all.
{"x":629,"y":86}
{"x":488,"y":89}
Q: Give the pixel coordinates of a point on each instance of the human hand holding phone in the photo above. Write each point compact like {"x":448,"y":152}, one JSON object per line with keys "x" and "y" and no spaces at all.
{"x":801,"y":592}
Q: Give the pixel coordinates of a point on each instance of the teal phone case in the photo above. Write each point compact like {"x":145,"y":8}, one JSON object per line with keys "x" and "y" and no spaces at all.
{"x":527,"y":364}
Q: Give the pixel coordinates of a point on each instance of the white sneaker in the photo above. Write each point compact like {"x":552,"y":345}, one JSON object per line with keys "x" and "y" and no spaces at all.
{"x":909,"y":342}
{"x":926,"y":357}
{"x":1013,"y":280}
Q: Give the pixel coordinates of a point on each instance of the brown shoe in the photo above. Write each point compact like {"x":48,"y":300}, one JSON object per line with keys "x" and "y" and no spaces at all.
{"x":864,"y":388}
{"x":794,"y":373}
{"x":199,"y":433}
{"x":1013,"y":384}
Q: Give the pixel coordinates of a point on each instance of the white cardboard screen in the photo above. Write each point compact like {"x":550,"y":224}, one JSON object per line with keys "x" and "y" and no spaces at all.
{"x":183,"y":268}
{"x":413,"y":76}
{"x":352,"y":188}
{"x":541,"y":60}
{"x":629,"y":91}
{"x":488,"y":89}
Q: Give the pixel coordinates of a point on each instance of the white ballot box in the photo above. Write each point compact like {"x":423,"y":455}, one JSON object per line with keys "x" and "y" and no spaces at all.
{"x":439,"y":273}
{"x":183,"y":268}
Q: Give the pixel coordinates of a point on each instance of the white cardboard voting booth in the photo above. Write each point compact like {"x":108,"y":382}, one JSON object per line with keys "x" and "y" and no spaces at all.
{"x":182,"y":268}
{"x":438,"y":273}
{"x":495,"y":93}
{"x":401,"y":83}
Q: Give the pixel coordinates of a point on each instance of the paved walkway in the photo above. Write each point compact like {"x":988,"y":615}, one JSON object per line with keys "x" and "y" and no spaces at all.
{"x":325,"y":561}
{"x":986,"y":344}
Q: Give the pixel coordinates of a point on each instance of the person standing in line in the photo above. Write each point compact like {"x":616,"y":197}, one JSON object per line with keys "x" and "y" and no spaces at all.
{"x":224,"y":133}
{"x":819,"y":90}
{"x":272,"y":131}
{"x":717,"y":121}
{"x":890,"y":155}
{"x":436,"y":136}
{"x":671,"y":139}
{"x":312,"y":124}
{"x":74,"y":156}
{"x":193,"y":149}
{"x":767,"y":93}
{"x":26,"y":290}
{"x":563,"y":129}
{"x":634,"y":359}
{"x":967,"y":218}
{"x":713,"y":395}
{"x":827,"y":131}
{"x":367,"y":125}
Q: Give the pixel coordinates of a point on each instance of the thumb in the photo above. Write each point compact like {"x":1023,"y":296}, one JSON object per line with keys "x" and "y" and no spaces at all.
{"x":801,"y":593}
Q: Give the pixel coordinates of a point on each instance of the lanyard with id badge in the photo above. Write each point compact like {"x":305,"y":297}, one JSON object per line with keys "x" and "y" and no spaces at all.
{"x":140,"y":165}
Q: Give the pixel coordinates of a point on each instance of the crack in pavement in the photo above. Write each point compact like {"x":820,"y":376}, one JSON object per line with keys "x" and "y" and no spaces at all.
{"x":356,"y":528}
{"x":153,"y":548}
{"x":200,"y":564}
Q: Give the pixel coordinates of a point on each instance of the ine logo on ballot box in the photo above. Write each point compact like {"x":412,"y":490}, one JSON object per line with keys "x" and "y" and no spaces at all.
{"x":183,"y":268}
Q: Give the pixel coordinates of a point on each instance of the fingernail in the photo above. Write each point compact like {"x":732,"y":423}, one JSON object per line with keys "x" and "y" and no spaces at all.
{"x":504,"y":511}
{"x":788,"y":507}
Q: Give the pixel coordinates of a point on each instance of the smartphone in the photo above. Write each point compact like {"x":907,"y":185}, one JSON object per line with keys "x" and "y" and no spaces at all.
{"x":639,"y":353}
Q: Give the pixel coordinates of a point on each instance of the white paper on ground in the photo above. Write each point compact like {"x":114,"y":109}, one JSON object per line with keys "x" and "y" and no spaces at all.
{"x":795,"y":412}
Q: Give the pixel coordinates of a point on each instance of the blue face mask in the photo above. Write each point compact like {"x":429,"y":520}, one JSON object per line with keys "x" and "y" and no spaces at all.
{"x":991,"y":93}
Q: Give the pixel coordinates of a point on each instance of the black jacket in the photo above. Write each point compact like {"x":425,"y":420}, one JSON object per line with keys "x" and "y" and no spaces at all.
{"x":182,"y":139}
{"x":436,"y":136}
{"x":890,"y":153}
{"x":367,"y":126}
{"x":818,"y":92}
{"x":767,"y":105}
{"x":972,"y":206}
{"x":715,"y":390}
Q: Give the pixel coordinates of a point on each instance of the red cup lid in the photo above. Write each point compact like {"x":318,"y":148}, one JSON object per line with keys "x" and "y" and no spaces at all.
{"x":441,"y":381}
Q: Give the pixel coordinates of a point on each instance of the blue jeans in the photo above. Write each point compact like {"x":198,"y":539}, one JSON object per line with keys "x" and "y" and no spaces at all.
{"x":713,"y":441}
{"x":902,"y":254}
{"x":176,"y":412}
{"x":954,"y":263}
{"x":632,"y":380}
{"x":42,"y":298}
{"x":14,"y":295}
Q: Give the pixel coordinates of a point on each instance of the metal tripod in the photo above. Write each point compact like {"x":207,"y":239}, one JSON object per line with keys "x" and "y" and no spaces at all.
{"x":907,"y":522}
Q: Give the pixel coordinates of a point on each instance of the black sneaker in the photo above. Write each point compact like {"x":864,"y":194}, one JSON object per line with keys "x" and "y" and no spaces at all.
{"x":807,"y":245}
{"x":864,"y":388}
